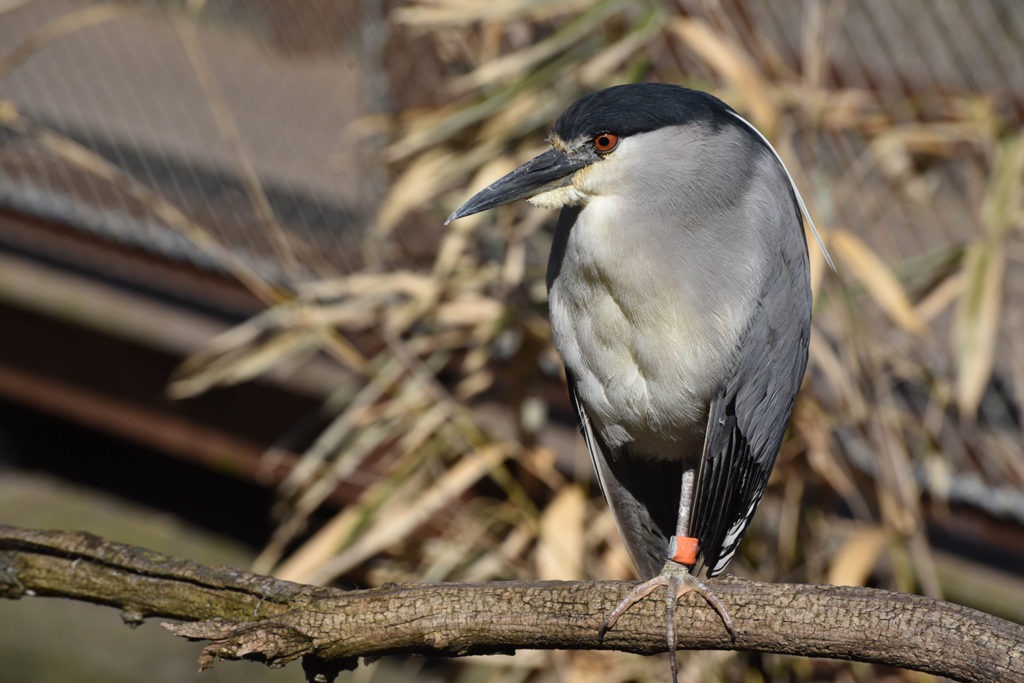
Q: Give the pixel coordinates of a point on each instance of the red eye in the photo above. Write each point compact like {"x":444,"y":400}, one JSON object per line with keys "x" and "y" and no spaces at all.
{"x":606,"y":142}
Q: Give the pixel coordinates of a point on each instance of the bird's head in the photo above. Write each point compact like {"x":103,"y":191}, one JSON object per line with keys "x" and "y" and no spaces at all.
{"x":595,"y":146}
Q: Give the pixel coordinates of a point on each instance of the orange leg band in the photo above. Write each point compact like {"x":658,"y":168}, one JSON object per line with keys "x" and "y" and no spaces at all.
{"x":685,"y":550}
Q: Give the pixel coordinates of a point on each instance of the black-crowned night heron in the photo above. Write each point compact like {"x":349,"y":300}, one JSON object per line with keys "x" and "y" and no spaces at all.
{"x":680,"y":302}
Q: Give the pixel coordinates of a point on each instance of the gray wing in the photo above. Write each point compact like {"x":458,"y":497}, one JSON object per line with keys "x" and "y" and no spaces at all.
{"x":644,"y":513}
{"x":747,"y":418}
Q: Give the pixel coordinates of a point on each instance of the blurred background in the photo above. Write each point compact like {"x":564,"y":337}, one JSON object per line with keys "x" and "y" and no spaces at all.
{"x":235,"y":329}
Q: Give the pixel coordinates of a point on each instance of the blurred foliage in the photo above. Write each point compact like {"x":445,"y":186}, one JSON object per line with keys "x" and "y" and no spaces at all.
{"x":444,"y":439}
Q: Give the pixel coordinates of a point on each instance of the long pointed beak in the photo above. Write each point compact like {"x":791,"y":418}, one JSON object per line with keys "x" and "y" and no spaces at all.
{"x":548,"y":171}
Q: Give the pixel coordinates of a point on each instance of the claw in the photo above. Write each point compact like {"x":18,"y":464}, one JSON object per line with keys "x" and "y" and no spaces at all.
{"x":679,"y":581}
{"x":635,"y":596}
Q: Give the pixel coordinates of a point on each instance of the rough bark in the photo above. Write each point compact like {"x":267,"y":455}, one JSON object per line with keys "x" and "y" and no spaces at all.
{"x":243,"y":615}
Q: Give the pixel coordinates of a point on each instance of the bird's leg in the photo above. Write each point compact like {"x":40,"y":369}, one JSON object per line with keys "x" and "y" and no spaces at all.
{"x":678,"y":581}
{"x":675,"y":576}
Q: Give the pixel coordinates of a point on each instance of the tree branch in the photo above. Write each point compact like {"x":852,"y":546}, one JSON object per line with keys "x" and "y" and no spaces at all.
{"x":243,"y":615}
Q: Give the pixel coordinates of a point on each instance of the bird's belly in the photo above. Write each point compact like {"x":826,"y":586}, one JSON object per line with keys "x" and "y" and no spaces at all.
{"x":644,"y":367}
{"x":649,"y":325}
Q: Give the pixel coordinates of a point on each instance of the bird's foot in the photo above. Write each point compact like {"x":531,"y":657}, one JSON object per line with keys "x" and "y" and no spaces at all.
{"x":678,"y":581}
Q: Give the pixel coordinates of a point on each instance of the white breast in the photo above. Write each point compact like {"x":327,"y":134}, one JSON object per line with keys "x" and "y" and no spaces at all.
{"x":650,"y":335}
